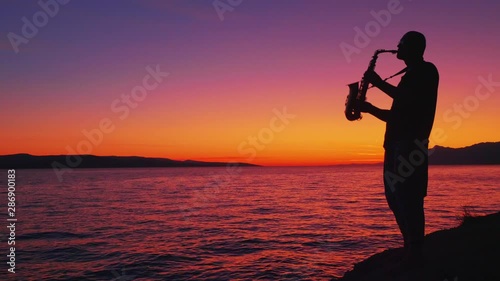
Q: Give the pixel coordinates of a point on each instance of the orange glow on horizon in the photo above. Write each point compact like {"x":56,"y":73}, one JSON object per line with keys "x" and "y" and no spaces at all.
{"x":227,"y":79}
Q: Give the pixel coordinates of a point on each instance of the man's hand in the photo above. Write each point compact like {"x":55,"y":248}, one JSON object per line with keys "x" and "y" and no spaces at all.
{"x":372,"y":77}
{"x":382,"y":114}
{"x":364,"y":106}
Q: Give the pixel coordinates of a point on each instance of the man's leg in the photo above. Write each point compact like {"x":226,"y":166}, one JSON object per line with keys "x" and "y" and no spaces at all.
{"x":414,"y":192}
{"x":394,"y":205}
{"x":412,"y":205}
{"x":390,"y":163}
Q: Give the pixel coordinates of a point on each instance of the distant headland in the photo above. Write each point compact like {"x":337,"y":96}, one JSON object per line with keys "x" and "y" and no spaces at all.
{"x":27,"y":161}
{"x":487,"y":153}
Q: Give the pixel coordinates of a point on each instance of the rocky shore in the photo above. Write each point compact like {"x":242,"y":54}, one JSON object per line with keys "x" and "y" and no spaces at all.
{"x":469,"y":252}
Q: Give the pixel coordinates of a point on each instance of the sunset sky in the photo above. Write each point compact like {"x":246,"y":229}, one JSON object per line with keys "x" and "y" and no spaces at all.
{"x":230,"y":72}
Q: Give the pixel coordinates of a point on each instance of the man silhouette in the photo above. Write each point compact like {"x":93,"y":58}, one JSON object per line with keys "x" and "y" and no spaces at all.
{"x":408,"y":125}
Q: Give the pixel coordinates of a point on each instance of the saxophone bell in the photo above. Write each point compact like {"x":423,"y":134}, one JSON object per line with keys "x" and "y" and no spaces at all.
{"x":351,"y":109}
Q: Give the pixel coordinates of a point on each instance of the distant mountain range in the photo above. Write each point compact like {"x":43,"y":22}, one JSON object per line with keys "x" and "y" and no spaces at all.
{"x":27,"y":161}
{"x":477,"y":154}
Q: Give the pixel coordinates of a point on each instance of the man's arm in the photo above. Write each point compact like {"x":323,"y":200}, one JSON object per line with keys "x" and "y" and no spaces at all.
{"x":387,"y":88}
{"x":373,"y":78}
{"x":382,"y":114}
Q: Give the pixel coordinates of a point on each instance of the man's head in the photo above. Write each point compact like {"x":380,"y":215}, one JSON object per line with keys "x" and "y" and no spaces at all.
{"x":411,"y":46}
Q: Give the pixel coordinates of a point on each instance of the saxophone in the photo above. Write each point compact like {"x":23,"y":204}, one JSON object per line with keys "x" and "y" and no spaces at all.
{"x":357,"y":91}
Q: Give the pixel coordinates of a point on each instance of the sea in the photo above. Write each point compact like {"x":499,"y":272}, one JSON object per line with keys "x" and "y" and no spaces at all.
{"x":224,"y":223}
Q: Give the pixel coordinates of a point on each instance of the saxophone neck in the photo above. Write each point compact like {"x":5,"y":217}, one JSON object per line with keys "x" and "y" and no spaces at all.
{"x":375,"y":56}
{"x":379,"y":51}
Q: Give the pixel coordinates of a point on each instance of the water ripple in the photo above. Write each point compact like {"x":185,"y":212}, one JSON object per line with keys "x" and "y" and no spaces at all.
{"x":263,"y":224}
